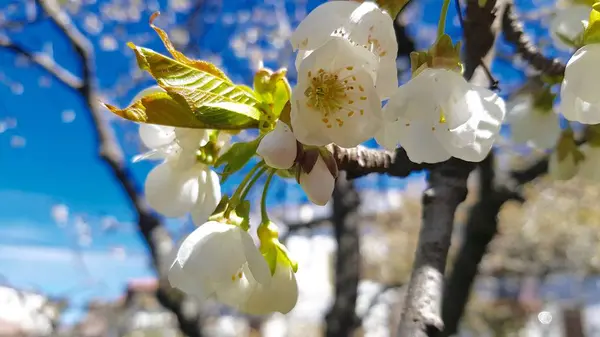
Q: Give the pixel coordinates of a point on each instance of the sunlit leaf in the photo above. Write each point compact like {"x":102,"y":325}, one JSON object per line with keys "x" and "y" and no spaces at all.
{"x":198,"y":64}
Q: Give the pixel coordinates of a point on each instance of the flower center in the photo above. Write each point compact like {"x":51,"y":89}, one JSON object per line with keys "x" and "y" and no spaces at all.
{"x":331,"y":94}
{"x":237,"y":275}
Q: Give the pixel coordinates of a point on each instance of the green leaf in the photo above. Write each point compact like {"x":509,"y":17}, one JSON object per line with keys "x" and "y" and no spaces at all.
{"x":592,"y":32}
{"x":214,"y":101}
{"x":236,"y":157}
{"x":198,"y":64}
{"x":172,"y":74}
{"x":159,"y":108}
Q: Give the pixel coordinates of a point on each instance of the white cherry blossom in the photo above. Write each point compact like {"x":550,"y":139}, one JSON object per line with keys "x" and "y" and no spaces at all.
{"x":335,"y":100}
{"x":221,"y":261}
{"x":579,"y":99}
{"x":280,"y":295}
{"x":363,"y":23}
{"x":568,"y":22}
{"x":438,"y":115}
{"x":278,"y":148}
{"x":531,"y":125}
{"x":318,"y":184}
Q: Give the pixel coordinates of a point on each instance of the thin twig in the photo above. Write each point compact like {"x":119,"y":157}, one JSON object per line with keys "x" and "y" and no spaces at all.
{"x":515,"y":34}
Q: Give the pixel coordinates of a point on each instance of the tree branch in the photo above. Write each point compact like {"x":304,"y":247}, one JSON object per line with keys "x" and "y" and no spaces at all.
{"x":514,"y":33}
{"x":44,"y":62}
{"x":360,"y":161}
{"x":447,"y":188}
{"x":154,"y":234}
{"x":341,"y":319}
{"x":480,"y":230}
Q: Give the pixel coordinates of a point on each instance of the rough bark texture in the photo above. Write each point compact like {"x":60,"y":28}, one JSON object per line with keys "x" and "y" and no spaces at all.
{"x":447,"y":189}
{"x":341,"y":319}
{"x":480,"y":230}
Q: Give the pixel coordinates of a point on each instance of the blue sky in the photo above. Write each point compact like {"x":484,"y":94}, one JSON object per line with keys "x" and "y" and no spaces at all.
{"x":49,"y":157}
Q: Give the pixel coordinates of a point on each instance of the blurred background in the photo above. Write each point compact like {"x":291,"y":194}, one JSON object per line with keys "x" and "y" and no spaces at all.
{"x":79,"y":257}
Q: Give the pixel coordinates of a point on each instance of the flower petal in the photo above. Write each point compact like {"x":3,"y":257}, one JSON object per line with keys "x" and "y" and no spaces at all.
{"x":528,"y":125}
{"x":211,"y":196}
{"x":278,"y":148}
{"x":191,"y":138}
{"x":318,"y":25}
{"x":418,"y":140}
{"x":387,"y":79}
{"x":256,"y":262}
{"x":318,"y":184}
{"x":156,"y":136}
{"x":487,"y":123}
{"x":172,"y":192}
{"x":363,"y":120}
{"x":192,"y":282}
{"x":281,"y":295}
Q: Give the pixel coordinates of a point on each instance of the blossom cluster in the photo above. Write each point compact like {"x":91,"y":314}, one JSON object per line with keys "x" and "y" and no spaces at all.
{"x":346,"y":93}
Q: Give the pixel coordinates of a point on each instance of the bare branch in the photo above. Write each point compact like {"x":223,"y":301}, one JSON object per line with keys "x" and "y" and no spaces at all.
{"x":514,"y":33}
{"x":44,"y":62}
{"x":360,"y":161}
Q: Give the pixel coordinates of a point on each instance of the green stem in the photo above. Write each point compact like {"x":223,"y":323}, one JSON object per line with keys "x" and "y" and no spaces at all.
{"x":263,"y":201}
{"x":235,"y":198}
{"x":442,"y":22}
{"x":253,"y":181}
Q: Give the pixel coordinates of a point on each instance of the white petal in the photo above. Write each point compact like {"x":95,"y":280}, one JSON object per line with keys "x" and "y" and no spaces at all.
{"x":575,"y":109}
{"x":235,"y":293}
{"x":318,"y":25}
{"x":224,"y":141}
{"x":589,"y":168}
{"x":318,"y":184}
{"x":306,"y":122}
{"x":147,"y":91}
{"x":418,"y":140}
{"x":191,"y":138}
{"x":281,"y":295}
{"x":370,"y":26}
{"x":278,"y":148}
{"x":155,"y":136}
{"x":387,"y":79}
{"x":223,"y":254}
{"x":302,"y":54}
{"x":487,"y":123}
{"x":529,"y":125}
{"x":211,"y":196}
{"x":192,"y":282}
{"x":582,"y":72}
{"x":172,"y":192}
{"x":363,"y":121}
{"x":256,"y":262}
{"x":568,"y":22}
